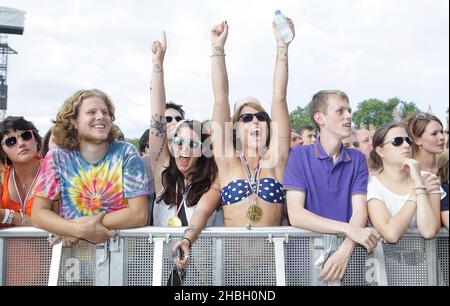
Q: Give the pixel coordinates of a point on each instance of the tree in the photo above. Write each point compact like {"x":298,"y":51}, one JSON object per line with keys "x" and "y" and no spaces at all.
{"x":378,"y":112}
{"x":134,"y":142}
{"x":300,"y":117}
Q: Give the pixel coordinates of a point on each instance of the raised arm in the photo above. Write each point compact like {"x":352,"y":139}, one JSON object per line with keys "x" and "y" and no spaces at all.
{"x":159,"y":151}
{"x":280,"y":113}
{"x":221,"y":109}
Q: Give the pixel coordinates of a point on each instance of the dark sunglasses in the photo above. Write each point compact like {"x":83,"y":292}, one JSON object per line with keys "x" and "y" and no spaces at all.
{"x":11,"y":142}
{"x":181,"y":141}
{"x":246,"y":118}
{"x":423,"y":116}
{"x":398,"y":141}
{"x":169,"y":119}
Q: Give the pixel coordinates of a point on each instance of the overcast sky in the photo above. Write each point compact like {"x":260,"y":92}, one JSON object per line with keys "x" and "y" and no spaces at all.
{"x":368,"y":48}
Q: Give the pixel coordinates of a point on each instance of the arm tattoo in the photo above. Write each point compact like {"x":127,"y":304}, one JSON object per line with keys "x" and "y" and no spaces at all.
{"x":192,"y":228}
{"x":158,"y":126}
{"x":157,"y":68}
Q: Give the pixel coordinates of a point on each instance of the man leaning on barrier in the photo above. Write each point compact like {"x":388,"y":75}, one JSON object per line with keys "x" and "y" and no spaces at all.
{"x":100,"y":183}
{"x":326,"y":183}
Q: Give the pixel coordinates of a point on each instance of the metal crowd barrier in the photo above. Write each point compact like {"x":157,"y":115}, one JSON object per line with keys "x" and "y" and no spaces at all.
{"x":221,"y":257}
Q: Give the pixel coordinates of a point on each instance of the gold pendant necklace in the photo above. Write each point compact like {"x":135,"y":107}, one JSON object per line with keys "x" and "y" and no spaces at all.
{"x":254,"y":213}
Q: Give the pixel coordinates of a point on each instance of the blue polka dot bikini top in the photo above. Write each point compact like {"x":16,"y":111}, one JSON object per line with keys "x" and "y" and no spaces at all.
{"x":270,"y":190}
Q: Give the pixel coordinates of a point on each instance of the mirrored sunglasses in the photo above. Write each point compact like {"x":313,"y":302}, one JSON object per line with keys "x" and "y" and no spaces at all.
{"x":11,"y":141}
{"x":181,"y":141}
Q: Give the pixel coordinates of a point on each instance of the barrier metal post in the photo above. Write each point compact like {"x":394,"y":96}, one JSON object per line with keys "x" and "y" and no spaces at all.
{"x":158,"y":259}
{"x":116,"y":265}
{"x":219,"y":267}
{"x":3,"y":262}
{"x":55,"y":263}
{"x":279,"y":258}
{"x":102,"y":267}
{"x":430,"y":255}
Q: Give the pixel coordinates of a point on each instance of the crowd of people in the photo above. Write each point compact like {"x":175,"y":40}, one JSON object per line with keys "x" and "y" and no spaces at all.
{"x":246,"y":169}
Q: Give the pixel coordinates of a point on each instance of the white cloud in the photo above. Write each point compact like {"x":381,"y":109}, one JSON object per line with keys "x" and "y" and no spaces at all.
{"x":369,"y":48}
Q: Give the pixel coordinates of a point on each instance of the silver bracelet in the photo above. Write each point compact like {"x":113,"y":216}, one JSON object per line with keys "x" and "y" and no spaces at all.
{"x":218,"y":54}
{"x":10,"y":217}
{"x":5,"y":217}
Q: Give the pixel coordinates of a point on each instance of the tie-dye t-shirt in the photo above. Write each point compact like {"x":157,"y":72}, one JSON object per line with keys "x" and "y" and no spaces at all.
{"x":85,"y":189}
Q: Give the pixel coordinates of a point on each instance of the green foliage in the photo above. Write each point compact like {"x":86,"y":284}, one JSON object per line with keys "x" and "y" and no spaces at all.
{"x":134,"y":142}
{"x":372,"y":111}
{"x":378,"y":112}
{"x":300,"y":117}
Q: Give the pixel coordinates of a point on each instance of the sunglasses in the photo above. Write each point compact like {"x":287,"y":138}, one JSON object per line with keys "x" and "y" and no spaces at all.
{"x":181,"y":141}
{"x":398,"y":141}
{"x":169,"y":119}
{"x":11,"y":142}
{"x":423,"y":116}
{"x":246,"y":118}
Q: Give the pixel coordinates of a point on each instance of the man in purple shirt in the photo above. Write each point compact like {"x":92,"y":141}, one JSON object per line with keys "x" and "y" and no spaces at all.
{"x":326,"y":184}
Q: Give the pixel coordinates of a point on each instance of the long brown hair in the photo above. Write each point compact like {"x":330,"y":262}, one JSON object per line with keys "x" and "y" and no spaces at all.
{"x":416,"y":125}
{"x":443,"y":167}
{"x":203,"y":176}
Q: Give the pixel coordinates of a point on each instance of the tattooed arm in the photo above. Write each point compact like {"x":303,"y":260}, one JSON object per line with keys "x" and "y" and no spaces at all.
{"x":221,"y":110}
{"x":280,"y":115}
{"x":159,"y":151}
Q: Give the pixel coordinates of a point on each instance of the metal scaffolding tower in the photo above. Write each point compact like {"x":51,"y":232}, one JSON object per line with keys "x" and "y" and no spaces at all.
{"x":11,"y":22}
{"x":5,"y":50}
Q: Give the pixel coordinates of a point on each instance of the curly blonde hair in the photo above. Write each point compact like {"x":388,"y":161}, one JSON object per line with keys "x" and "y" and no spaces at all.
{"x":64,"y":131}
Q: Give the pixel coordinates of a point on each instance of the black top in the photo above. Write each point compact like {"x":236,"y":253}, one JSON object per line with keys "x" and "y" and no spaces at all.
{"x":444,"y":201}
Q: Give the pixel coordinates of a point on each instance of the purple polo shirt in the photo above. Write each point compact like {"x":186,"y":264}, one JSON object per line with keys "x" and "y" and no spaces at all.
{"x":329,"y":187}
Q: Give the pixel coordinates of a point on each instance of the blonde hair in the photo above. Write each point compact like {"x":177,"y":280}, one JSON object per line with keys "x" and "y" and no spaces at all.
{"x":443,"y":167}
{"x":252,"y":102}
{"x":64,"y":131}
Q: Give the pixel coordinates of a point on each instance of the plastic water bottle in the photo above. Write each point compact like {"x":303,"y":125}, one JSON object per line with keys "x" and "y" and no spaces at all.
{"x":400,"y":109}
{"x":282,"y":27}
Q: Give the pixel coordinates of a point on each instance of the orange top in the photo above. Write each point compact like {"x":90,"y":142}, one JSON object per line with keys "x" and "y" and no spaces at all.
{"x":6,"y":202}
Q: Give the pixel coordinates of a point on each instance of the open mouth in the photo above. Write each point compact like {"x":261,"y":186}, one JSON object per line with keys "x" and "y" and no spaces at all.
{"x":99,"y":126}
{"x":348,"y":125}
{"x":256,"y":132}
{"x":184,"y":160}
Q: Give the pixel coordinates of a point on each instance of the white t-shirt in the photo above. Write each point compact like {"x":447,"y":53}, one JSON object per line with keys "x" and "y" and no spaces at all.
{"x":394,"y":202}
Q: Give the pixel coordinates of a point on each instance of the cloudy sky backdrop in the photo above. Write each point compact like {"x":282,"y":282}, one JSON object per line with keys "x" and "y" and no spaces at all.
{"x":368,"y":48}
